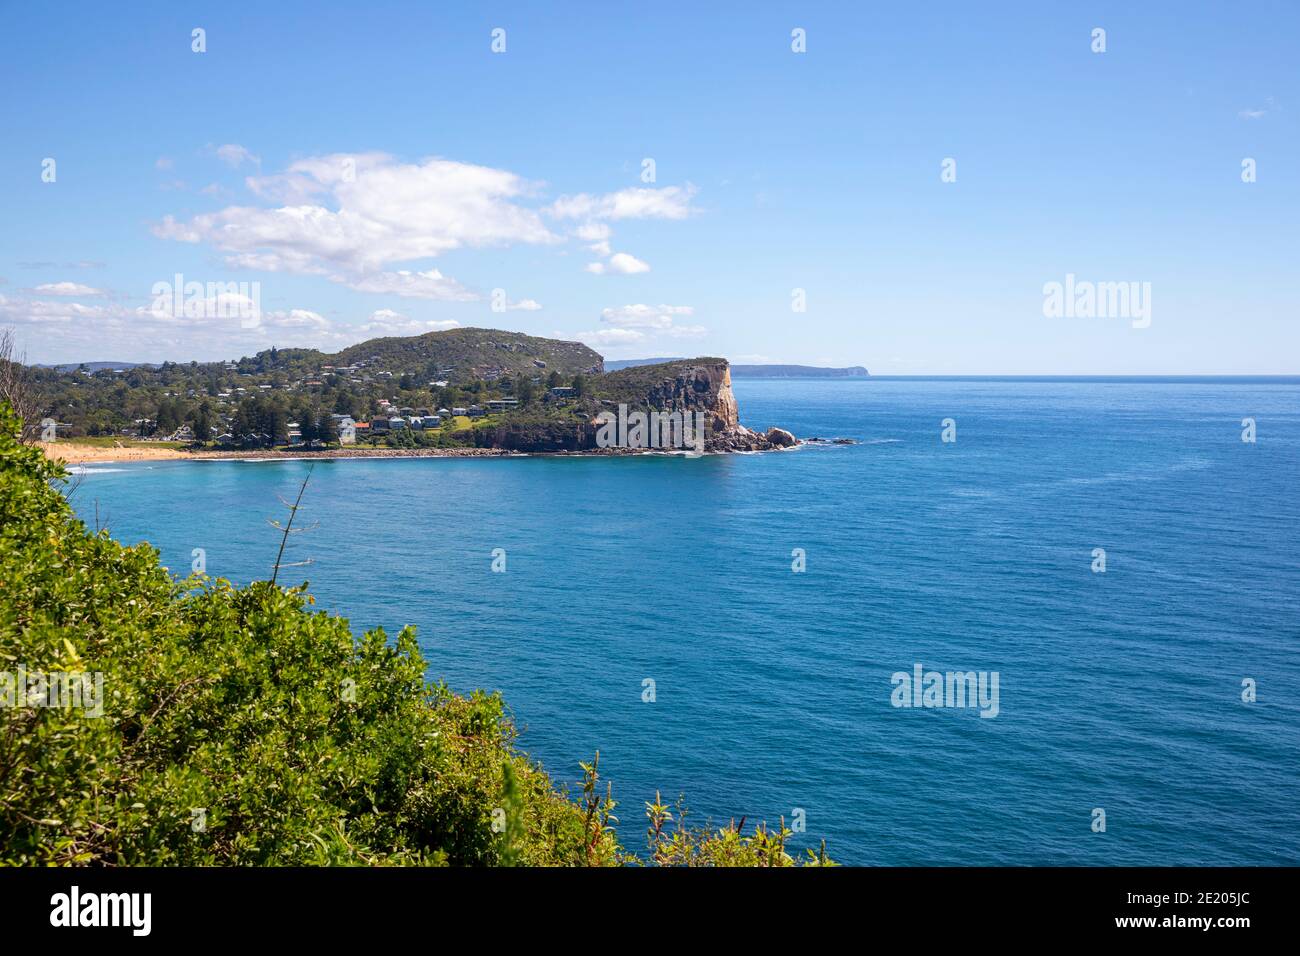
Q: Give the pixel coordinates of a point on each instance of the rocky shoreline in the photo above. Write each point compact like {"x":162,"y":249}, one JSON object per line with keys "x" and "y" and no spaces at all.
{"x":85,"y":455}
{"x":734,"y":444}
{"x":737,"y":440}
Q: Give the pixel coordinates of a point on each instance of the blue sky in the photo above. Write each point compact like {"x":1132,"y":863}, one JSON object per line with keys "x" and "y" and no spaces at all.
{"x":379,"y":169}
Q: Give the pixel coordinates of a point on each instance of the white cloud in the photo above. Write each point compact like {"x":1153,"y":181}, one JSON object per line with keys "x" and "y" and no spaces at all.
{"x":66,"y":288}
{"x":234,"y":155}
{"x":89,"y":318}
{"x":32,"y":312}
{"x":354,"y":218}
{"x":1270,"y":103}
{"x":382,"y":213}
{"x":523,"y":305}
{"x":430,"y":284}
{"x":217,"y":306}
{"x":388,"y":322}
{"x":610,"y":337}
{"x":63,"y":330}
{"x":295,"y":319}
{"x":627,"y":264}
{"x":668,"y":202}
{"x":384,"y":316}
{"x":163,"y":163}
{"x":314,"y":176}
{"x":645,"y":316}
{"x":619,"y":263}
{"x":640,"y":323}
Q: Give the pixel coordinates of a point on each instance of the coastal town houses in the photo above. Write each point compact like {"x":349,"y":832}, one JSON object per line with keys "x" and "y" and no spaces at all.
{"x":346,"y":429}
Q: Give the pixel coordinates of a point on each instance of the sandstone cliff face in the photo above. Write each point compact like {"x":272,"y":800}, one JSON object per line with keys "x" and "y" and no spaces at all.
{"x":702,"y":385}
{"x":698,"y":388}
{"x":728,"y":411}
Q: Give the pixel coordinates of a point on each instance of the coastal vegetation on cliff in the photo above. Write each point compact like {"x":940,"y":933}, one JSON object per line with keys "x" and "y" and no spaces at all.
{"x":149,"y":720}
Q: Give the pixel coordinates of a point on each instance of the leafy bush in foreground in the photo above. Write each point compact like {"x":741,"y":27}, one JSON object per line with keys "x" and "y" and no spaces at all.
{"x":241,"y":727}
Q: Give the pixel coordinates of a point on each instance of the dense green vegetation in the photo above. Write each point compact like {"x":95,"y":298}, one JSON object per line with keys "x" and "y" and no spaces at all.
{"x":263,"y":393}
{"x":455,"y":351}
{"x":631,"y":385}
{"x":240,"y":726}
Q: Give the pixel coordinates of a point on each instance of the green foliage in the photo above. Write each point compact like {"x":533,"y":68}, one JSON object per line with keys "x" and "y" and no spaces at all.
{"x":200,"y":420}
{"x":727,"y":847}
{"x":242,"y":727}
{"x":631,"y":385}
{"x":299,"y":743}
{"x":462,"y":350}
{"x":537,"y":429}
{"x":524,"y":391}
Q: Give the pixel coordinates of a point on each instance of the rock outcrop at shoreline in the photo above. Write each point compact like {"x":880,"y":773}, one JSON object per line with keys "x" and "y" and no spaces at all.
{"x":693,"y":390}
{"x":689,"y":386}
{"x":781,"y":438}
{"x":705,"y":388}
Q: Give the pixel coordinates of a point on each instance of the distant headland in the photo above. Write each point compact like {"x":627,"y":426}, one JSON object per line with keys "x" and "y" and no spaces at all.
{"x":458,"y":392}
{"x":758,"y":371}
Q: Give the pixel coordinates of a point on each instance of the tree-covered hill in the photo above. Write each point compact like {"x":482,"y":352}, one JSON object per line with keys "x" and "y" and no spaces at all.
{"x":466,"y":354}
{"x":457,"y":367}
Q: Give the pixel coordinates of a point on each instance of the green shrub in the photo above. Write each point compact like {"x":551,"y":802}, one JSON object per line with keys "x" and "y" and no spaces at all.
{"x":242,"y":727}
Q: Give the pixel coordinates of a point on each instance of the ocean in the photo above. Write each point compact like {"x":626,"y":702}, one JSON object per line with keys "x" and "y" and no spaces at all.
{"x":649,"y":608}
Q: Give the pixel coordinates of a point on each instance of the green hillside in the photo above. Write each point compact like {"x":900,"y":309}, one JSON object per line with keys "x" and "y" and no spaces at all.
{"x":467,"y":354}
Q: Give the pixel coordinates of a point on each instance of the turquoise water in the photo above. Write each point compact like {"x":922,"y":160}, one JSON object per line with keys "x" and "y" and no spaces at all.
{"x":1119,"y":691}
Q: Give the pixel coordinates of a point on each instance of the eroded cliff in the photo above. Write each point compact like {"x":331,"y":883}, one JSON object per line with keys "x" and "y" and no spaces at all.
{"x":688,"y":386}
{"x":646,"y":407}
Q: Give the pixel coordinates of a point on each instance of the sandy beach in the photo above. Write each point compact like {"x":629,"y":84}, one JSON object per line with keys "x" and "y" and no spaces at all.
{"x":73,"y":453}
{"x":77,"y":454}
